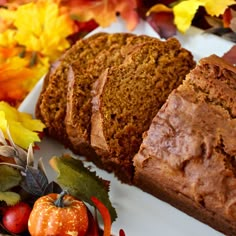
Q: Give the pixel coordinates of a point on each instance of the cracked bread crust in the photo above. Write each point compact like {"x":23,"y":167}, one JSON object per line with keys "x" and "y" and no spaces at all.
{"x":187,"y":156}
{"x":127,"y":97}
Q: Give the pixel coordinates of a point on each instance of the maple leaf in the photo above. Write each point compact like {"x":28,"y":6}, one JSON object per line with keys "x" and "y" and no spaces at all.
{"x":13,"y":73}
{"x":186,"y":10}
{"x":24,"y":130}
{"x":104,"y":12}
{"x":17,"y":76}
{"x":7,"y":38}
{"x":7,"y":31}
{"x":161,"y":18}
{"x":43,"y":27}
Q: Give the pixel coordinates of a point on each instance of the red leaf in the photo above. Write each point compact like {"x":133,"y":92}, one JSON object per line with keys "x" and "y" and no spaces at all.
{"x":162,"y":23}
{"x":227,"y":16}
{"x":105,"y":215}
{"x":230,"y":56}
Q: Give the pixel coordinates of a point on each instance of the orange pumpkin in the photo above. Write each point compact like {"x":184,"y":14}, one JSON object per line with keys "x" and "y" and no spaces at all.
{"x":58,"y":214}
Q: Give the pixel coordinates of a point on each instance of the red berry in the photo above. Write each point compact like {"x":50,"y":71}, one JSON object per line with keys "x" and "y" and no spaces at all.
{"x":15,"y":219}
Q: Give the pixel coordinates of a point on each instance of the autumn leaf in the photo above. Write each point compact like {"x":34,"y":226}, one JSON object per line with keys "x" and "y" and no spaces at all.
{"x":23,"y":128}
{"x":7,"y":17}
{"x":42,"y":27}
{"x":159,"y":8}
{"x":9,"y":178}
{"x":217,"y":9}
{"x":13,"y":74}
{"x":17,"y":77}
{"x":7,"y":38}
{"x":185,"y":11}
{"x":161,"y":18}
{"x":104,"y":12}
{"x":7,"y":52}
{"x":81,"y":182}
{"x":10,"y":198}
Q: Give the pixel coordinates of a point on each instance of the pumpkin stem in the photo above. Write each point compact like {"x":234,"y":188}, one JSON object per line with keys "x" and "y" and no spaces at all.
{"x":59,"y":202}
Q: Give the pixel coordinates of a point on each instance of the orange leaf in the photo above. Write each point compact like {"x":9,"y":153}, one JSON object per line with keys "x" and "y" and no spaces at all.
{"x":7,"y":53}
{"x":104,"y":12}
{"x":13,"y":74}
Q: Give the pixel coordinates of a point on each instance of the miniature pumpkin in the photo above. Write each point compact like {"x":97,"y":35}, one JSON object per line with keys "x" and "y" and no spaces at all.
{"x":58,"y":214}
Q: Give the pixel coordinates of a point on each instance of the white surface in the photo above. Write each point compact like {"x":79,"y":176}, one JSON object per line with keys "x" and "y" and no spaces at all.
{"x":139,"y":213}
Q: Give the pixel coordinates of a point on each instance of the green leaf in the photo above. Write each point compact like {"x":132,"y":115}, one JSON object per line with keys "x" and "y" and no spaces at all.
{"x":11,"y":198}
{"x":9,"y":177}
{"x":81,"y":182}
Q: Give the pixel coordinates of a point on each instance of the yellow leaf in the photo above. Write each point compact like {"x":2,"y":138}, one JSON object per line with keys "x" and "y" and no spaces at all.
{"x":7,"y":15}
{"x":7,"y":38}
{"x":7,"y":31}
{"x":41,"y":27}
{"x":158,"y":8}
{"x":184,"y":13}
{"x":39,"y":69}
{"x":11,"y":198}
{"x":22,"y":126}
{"x":216,"y":8}
{"x":186,"y":10}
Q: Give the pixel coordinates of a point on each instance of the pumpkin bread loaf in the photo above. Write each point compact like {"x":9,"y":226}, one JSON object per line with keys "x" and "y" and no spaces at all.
{"x":187,"y":156}
{"x":80,"y":81}
{"x":127,"y":97}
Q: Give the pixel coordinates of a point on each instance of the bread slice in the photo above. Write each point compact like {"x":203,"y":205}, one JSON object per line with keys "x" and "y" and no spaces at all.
{"x":127,"y":97}
{"x":52,"y":101}
{"x":46,"y":79}
{"x":80,"y":80}
{"x":187,"y":156}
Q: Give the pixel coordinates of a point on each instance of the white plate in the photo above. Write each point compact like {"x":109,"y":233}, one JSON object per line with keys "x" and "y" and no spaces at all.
{"x":140,"y":213}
